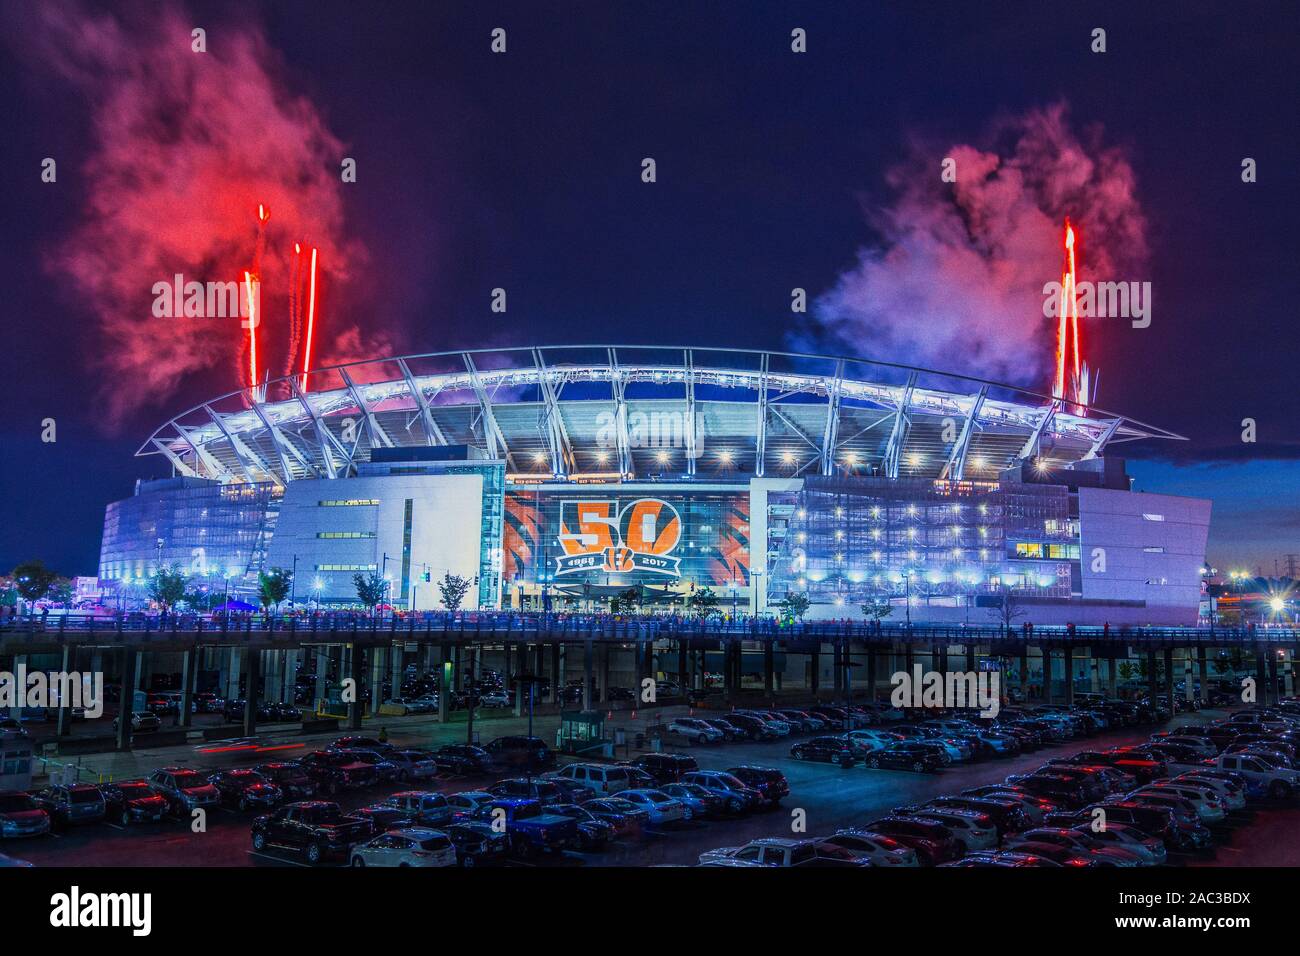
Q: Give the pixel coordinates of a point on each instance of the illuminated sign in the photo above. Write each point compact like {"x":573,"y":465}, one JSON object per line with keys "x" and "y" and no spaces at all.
{"x":597,"y":537}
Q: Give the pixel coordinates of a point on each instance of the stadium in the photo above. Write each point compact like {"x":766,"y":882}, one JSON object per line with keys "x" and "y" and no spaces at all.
{"x":563,"y":476}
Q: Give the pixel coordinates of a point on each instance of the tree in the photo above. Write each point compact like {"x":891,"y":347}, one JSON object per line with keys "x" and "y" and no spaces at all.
{"x":167,"y":586}
{"x":1008,"y":609}
{"x":33,"y":580}
{"x":273,"y":586}
{"x":452,"y":589}
{"x":877,"y":608}
{"x":370,"y":589}
{"x":703,"y":603}
{"x":794,"y":605}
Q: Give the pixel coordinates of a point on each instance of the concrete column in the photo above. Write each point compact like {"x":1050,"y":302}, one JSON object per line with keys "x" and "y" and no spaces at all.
{"x":1068,"y":667}
{"x":397,"y":670}
{"x":872,"y":657}
{"x":769,"y":666}
{"x":521,"y":692}
{"x":970,"y":658}
{"x":1112,"y":677}
{"x":1272,"y":676}
{"x":557,"y":681}
{"x":127,"y":688}
{"x":189,"y":675}
{"x":815,"y":668}
{"x":1203,"y":667}
{"x":1152,"y":688}
{"x":352,"y":657}
{"x":1189,"y":680}
{"x":444,"y":684}
{"x":289,"y":690}
{"x":837,"y":669}
{"x":271,"y":665}
{"x":457,"y":672}
{"x":1094,"y":671}
{"x":1046,"y":653}
{"x":377,"y":655}
{"x":252,"y":664}
{"x":322,"y":671}
{"x":1288,"y":672}
{"x":232,"y":673}
{"x":1170,"y":691}
{"x":683,"y":665}
{"x":1024,"y":671}
{"x":605,"y":651}
{"x":61,"y":725}
{"x":588,"y":664}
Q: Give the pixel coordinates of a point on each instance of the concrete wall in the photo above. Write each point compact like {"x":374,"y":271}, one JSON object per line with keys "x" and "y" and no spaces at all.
{"x":446,"y":528}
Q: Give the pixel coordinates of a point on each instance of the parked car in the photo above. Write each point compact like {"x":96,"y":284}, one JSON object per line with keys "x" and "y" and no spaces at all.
{"x":877,"y":848}
{"x":770,"y":783}
{"x":666,"y":767}
{"x":933,"y":842}
{"x":729,"y":730}
{"x":1081,"y":843}
{"x":700,"y":802}
{"x":461,"y":758}
{"x":335,"y":770}
{"x":142,"y":722}
{"x":424,"y":808}
{"x":408,"y":846}
{"x":623,"y":816}
{"x":593,"y":833}
{"x":695,"y":730}
{"x":466,"y":804}
{"x":519,"y":753}
{"x":477,"y":843}
{"x":185,"y":790}
{"x":736,"y":796}
{"x":72,"y":805}
{"x":780,"y":851}
{"x":904,"y":756}
{"x":316,"y":828}
{"x":132,"y":801}
{"x":413,"y":764}
{"x":532,"y":827}
{"x":659,"y":807}
{"x":596,"y":779}
{"x":834,"y":750}
{"x":246,"y":789}
{"x":535,"y":788}
{"x":290,"y":777}
{"x":21,"y":816}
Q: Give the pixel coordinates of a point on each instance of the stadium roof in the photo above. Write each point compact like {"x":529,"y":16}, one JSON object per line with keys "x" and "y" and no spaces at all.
{"x":570,"y":411}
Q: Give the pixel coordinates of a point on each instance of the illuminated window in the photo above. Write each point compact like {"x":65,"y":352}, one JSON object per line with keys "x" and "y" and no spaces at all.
{"x":1151,"y":517}
{"x":345,"y":534}
{"x":1029,"y":549}
{"x":348,"y":502}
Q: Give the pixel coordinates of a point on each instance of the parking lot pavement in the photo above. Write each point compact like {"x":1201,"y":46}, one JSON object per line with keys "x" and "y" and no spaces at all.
{"x":830,"y":796}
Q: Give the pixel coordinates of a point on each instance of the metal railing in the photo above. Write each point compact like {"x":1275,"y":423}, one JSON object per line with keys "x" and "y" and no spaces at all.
{"x":517,"y":625}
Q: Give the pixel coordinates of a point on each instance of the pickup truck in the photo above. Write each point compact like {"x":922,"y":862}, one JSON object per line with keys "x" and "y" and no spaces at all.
{"x":316,"y":828}
{"x":532,"y":829}
{"x":1261,"y":776}
{"x":332,"y":771}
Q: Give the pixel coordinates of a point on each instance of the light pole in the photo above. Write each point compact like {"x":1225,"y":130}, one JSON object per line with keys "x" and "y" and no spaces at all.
{"x":293,"y":582}
{"x":907,"y":595}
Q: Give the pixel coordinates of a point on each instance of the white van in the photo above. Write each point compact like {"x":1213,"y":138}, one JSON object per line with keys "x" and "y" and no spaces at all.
{"x":600,"y":779}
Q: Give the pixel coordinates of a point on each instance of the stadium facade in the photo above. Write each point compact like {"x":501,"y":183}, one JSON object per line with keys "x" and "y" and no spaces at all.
{"x":561,"y":476}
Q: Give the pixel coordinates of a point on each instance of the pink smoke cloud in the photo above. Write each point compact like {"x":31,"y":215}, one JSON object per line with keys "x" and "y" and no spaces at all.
{"x":956,"y":282}
{"x":185,"y":147}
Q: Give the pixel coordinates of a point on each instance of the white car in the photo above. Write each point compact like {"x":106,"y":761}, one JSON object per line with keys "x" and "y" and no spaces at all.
{"x":601,"y":779}
{"x":495,"y":698}
{"x":1208,"y":808}
{"x":466,"y":803}
{"x":413,"y":764}
{"x":973,"y":829}
{"x":695,"y":730}
{"x":415,"y":846}
{"x":880,"y":850}
{"x":1151,"y":850}
{"x":1232,"y":796}
{"x":865,"y":741}
{"x":661,"y":807}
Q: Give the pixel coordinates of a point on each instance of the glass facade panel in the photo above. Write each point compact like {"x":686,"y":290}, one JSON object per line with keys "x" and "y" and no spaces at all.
{"x":848,"y":540}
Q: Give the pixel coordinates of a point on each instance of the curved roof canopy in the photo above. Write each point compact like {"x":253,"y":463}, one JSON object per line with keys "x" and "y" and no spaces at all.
{"x":638,"y":411}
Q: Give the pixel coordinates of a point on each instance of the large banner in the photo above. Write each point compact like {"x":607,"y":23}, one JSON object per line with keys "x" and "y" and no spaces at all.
{"x":700,"y":539}
{"x":639,"y":537}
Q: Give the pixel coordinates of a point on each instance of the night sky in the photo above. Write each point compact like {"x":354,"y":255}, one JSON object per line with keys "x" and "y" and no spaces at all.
{"x":522,"y":171}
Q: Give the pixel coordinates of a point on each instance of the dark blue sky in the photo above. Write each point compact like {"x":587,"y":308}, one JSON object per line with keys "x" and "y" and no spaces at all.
{"x":521,"y":171}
